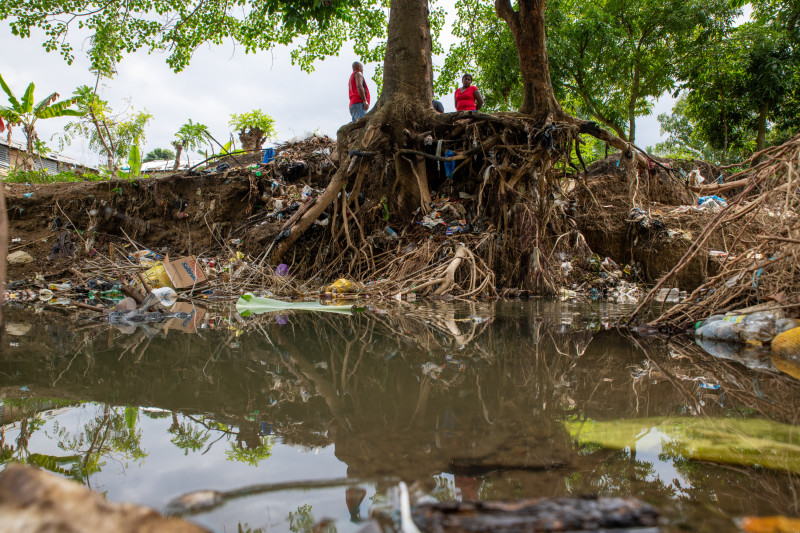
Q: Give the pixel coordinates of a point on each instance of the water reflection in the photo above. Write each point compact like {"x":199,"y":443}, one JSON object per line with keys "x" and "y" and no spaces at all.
{"x":468,"y":400}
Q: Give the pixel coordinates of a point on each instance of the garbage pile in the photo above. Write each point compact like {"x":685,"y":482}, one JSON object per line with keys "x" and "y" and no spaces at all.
{"x":600,"y":279}
{"x":767,"y":215}
{"x":299,"y":158}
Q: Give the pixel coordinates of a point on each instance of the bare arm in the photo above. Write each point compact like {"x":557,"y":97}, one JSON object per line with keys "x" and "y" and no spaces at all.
{"x":478,"y":99}
{"x":455,"y":99}
{"x":360,"y":87}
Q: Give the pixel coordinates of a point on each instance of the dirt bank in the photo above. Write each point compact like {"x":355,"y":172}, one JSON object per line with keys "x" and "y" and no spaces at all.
{"x":239,"y":205}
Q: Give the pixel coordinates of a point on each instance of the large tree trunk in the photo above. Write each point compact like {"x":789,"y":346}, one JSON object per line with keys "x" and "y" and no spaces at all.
{"x":408,"y":71}
{"x":632,"y":106}
{"x":527,"y":25}
{"x":178,"y":151}
{"x":405,"y":102}
{"x":761,"y":138}
{"x":251,"y":140}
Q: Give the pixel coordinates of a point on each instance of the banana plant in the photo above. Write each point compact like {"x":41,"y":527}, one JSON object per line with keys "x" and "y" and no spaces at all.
{"x":23,"y":111}
{"x":134,"y":162}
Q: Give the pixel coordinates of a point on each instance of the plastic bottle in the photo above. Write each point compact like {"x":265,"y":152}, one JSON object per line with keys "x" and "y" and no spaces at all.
{"x":59,"y":286}
{"x":391,"y":233}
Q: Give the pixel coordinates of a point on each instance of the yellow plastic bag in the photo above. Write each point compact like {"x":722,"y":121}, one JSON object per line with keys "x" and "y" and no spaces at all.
{"x":340,"y":286}
{"x":157,"y":276}
{"x":787,"y":343}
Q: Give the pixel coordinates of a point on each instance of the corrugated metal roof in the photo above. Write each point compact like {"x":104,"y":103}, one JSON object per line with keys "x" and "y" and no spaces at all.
{"x":53,"y":156}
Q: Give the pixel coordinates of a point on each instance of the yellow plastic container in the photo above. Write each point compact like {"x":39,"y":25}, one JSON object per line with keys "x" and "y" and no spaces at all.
{"x":787,"y":343}
{"x":157,"y":276}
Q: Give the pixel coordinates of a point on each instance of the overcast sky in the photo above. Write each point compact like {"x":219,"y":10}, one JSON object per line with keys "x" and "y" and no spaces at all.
{"x":219,"y":81}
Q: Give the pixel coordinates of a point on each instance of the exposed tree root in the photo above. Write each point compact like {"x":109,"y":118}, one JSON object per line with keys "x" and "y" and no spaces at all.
{"x":507,"y":178}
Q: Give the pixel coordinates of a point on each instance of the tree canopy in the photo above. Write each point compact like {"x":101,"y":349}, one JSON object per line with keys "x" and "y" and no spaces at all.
{"x":178,"y":27}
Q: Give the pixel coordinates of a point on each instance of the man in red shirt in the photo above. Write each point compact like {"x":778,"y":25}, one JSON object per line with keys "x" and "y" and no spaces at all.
{"x":358,"y":92}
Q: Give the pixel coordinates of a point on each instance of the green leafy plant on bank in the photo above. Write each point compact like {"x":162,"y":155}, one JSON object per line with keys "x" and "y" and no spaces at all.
{"x":41,"y":176}
{"x":24,"y":112}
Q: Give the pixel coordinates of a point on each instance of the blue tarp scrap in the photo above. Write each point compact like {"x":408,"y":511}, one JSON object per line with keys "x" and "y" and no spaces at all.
{"x":449,"y":166}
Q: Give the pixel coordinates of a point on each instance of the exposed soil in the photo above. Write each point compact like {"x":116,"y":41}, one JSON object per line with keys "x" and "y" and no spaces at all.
{"x":225,"y":208}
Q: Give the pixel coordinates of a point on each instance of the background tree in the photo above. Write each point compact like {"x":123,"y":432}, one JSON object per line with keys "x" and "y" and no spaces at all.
{"x":112,"y":136}
{"x":254,"y":128}
{"x":617,"y":56}
{"x":25,"y":112}
{"x":712,"y":118}
{"x":159,"y":154}
{"x":770,"y":73}
{"x":190,"y":136}
{"x":732,"y":105}
{"x":485,"y":48}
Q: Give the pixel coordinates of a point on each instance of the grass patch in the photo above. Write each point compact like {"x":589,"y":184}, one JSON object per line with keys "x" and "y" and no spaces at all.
{"x":40,"y":176}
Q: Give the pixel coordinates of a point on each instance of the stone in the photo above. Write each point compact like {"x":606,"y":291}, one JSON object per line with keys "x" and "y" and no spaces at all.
{"x":36,"y":501}
{"x":19,"y":258}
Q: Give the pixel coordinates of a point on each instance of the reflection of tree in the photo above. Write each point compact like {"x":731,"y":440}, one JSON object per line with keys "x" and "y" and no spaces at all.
{"x":247,"y":445}
{"x":113,"y":434}
{"x":245,"y":528}
{"x":27,"y":412}
{"x":188,"y":436}
{"x":301,"y":521}
{"x":444,"y":490}
{"x":248,"y":454}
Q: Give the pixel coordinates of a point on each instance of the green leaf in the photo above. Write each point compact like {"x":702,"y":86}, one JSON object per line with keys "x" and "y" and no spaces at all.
{"x":11,"y":97}
{"x":248,"y":303}
{"x":27,"y":99}
{"x":135,"y":159}
{"x":131,"y":414}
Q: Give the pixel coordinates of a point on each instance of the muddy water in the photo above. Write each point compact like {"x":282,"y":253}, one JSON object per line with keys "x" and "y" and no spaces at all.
{"x":298,"y":418}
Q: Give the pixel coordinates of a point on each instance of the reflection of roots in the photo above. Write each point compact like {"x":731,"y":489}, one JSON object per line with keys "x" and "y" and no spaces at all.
{"x":444,"y":276}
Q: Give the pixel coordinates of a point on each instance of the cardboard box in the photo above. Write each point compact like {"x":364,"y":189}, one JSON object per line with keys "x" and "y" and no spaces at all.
{"x":184,"y":272}
{"x":189,"y":324}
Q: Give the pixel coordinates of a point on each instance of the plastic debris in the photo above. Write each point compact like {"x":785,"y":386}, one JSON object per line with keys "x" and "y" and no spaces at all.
{"x":340,"y":286}
{"x":755,"y":328}
{"x":787,"y":343}
{"x":712,"y":203}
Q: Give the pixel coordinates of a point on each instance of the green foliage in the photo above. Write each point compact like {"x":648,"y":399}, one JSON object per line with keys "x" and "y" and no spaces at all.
{"x":251,"y":456}
{"x":302,"y":521}
{"x":486,"y":49}
{"x":179,"y":28}
{"x":158,"y":154}
{"x":25,"y":113}
{"x":192,"y":136}
{"x":40,"y":176}
{"x":616,"y":56}
{"x":111,"y":135}
{"x":255,"y":119}
{"x":752,"y":84}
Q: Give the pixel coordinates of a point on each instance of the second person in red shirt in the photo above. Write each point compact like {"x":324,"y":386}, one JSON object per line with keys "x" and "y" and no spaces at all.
{"x":468,"y":97}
